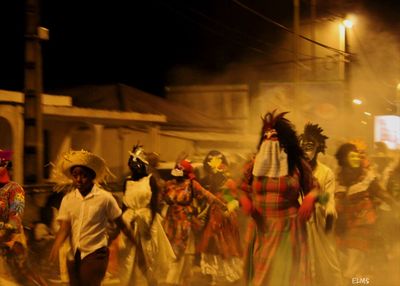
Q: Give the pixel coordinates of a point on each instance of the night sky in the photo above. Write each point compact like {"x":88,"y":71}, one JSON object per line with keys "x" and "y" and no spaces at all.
{"x":139,"y":43}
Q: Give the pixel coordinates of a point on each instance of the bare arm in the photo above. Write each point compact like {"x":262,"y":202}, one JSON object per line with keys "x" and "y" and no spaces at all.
{"x":62,"y":234}
{"x":120,"y":223}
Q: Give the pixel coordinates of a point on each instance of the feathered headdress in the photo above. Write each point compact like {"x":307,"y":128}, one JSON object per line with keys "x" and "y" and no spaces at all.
{"x":138,"y":153}
{"x":270,"y":119}
{"x":314,"y":131}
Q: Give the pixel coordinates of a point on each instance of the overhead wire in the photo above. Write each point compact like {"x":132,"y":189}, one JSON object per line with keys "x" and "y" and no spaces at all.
{"x":243,"y":34}
{"x":288,"y":61}
{"x":180,"y":13}
{"x":269,"y":20}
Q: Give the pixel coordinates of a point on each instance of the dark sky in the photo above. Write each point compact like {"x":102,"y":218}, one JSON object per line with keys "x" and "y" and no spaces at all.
{"x":140,"y":42}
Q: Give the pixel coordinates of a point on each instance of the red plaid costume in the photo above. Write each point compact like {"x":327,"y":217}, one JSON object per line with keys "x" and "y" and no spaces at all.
{"x":276,"y":255}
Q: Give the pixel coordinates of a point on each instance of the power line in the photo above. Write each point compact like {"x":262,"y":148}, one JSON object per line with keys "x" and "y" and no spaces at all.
{"x":257,"y":50}
{"x":289,"y":61}
{"x":287,"y":29}
{"x":243,"y":34}
{"x":309,"y":57}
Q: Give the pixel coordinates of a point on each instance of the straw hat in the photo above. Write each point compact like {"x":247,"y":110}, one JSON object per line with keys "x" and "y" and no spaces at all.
{"x":86,"y":159}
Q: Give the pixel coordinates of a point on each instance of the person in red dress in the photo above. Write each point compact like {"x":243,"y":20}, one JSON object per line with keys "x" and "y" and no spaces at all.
{"x":279,"y":194}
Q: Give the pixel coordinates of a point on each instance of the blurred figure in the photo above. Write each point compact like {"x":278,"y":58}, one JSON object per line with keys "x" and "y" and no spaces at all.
{"x":273,"y":183}
{"x":182,"y":195}
{"x":384,"y":164}
{"x":44,"y":233}
{"x":356,"y":189}
{"x":393,"y":183}
{"x":219,"y":245}
{"x":392,"y":233}
{"x":325,"y":263}
{"x":145,"y":261}
{"x":14,"y":264}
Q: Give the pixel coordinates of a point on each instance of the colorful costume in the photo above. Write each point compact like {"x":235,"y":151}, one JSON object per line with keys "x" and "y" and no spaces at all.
{"x":355,"y":191}
{"x":277,"y":255}
{"x":219,"y":245}
{"x":274,"y":182}
{"x":181,"y":195}
{"x":13,"y":247}
{"x":14,"y":266}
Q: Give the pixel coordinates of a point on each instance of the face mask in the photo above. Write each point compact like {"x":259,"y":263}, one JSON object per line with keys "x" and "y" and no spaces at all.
{"x":310,"y":149}
{"x":271,"y":160}
{"x":354,"y":160}
{"x":177,"y":172}
{"x":137,"y":168}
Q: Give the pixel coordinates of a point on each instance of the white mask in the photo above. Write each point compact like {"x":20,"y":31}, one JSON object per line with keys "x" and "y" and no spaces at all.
{"x":271,"y":160}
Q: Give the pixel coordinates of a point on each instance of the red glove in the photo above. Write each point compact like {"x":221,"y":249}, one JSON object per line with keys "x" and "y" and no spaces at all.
{"x":246,"y":204}
{"x":307,"y":207}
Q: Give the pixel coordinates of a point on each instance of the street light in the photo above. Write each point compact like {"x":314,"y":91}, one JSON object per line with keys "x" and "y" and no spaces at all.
{"x":348,"y":23}
{"x":344,"y":63}
{"x":397,"y":101}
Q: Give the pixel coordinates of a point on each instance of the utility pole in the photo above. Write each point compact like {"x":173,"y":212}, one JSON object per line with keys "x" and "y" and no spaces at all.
{"x":296,"y":30}
{"x":313,"y":36}
{"x":33,"y":120}
{"x":347,"y":71}
{"x":296,"y":69}
{"x":345,"y":64}
{"x":397,"y":102}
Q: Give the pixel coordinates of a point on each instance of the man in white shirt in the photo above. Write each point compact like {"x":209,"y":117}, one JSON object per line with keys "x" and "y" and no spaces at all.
{"x":83,"y":216}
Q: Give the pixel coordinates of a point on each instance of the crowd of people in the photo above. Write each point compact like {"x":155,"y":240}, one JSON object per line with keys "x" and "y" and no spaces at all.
{"x":305,"y":223}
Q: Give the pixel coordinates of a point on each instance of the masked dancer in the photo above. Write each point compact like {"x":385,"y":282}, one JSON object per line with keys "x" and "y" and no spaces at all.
{"x":357,"y":187}
{"x":145,"y":261}
{"x":182,"y":195}
{"x":275,"y":183}
{"x":219,"y":245}
{"x":325,"y":263}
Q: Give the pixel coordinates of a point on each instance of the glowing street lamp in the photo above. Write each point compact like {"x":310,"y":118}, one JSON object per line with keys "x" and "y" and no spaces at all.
{"x":357,"y":101}
{"x":344,"y":64}
{"x":348,"y":23}
{"x":397,"y":101}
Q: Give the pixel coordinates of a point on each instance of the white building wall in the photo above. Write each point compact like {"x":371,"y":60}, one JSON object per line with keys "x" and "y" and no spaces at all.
{"x":171,"y":147}
{"x":228,"y":103}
